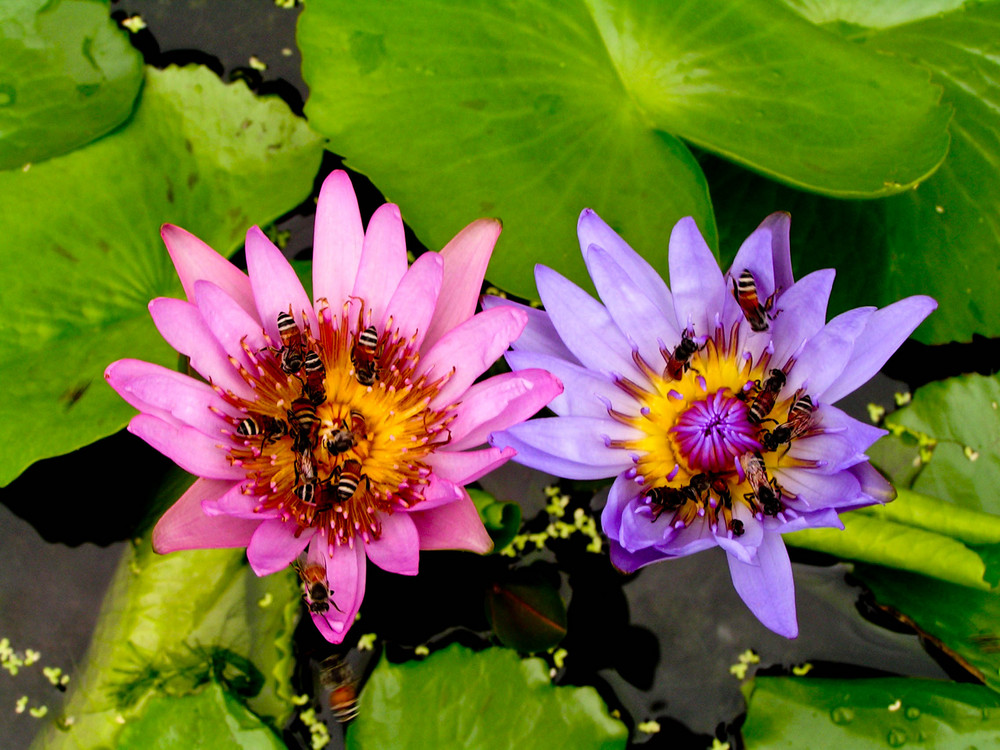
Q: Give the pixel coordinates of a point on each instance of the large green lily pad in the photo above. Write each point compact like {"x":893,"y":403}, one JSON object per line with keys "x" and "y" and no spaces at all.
{"x":491,"y":700}
{"x":67,"y":76}
{"x":534,"y":111}
{"x":82,"y":255}
{"x":939,"y":238}
{"x":172,"y":623}
{"x":787,"y":712}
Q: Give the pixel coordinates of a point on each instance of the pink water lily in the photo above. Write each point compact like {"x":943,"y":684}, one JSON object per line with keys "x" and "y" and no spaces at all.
{"x":336,"y":430}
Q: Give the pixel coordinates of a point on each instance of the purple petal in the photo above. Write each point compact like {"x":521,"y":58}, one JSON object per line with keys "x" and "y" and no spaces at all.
{"x":861,"y":434}
{"x":629,"y":562}
{"x":276,"y":544}
{"x":383,"y":260}
{"x":338,"y":239}
{"x":193,"y":451}
{"x":585,"y":393}
{"x":642,"y":322}
{"x":346,"y":569}
{"x":412,"y":305}
{"x":824,"y":357}
{"x":585,"y":326}
{"x":181,"y":324}
{"x":695,"y":279}
{"x":185,"y":526}
{"x":825,"y":518}
{"x":397,"y":550}
{"x":539,"y":335}
{"x":229,"y":323}
{"x":195,"y":261}
{"x":453,"y":526}
{"x":874,"y":487}
{"x":497,"y":403}
{"x":779,"y":224}
{"x":175,"y":398}
{"x":767,"y":587}
{"x":801,"y":313}
{"x":465,"y":260}
{"x":755,"y":256}
{"x":883,"y":334}
{"x":814,"y":490}
{"x":570,"y":447}
{"x":462,"y":467}
{"x":592,"y":230}
{"x":276,"y":288}
{"x":466,"y":352}
{"x":743,"y":547}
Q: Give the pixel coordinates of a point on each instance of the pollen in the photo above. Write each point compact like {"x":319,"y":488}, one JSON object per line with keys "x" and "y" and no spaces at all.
{"x":341,"y":425}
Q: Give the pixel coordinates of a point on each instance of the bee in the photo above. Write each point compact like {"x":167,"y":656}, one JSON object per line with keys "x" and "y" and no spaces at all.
{"x":305,"y":477}
{"x":304,"y":425}
{"x":345,"y":438}
{"x":363,"y":356}
{"x":315,"y":589}
{"x":799,"y":422}
{"x":269,"y":427}
{"x":291,"y":344}
{"x":314,"y":389}
{"x":669,"y":498}
{"x":338,"y":677}
{"x":745,"y":292}
{"x":765,"y":492}
{"x":764,"y":397}
{"x":349,"y":476}
{"x":679,"y":361}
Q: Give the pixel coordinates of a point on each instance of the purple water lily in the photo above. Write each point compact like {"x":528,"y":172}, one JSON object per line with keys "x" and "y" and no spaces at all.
{"x":711,"y":401}
{"x":338,"y":431}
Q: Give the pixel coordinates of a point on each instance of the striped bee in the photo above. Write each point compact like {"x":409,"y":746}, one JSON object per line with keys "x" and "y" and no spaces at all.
{"x":764,"y":397}
{"x":745,"y":292}
{"x":344,"y":439}
{"x":764,"y":492}
{"x":269,"y":427}
{"x":799,"y":421}
{"x":363,"y":356}
{"x":313,"y":388}
{"x":349,"y":476}
{"x":337,"y":676}
{"x":304,"y":425}
{"x":292,"y":357}
{"x":678,"y":362}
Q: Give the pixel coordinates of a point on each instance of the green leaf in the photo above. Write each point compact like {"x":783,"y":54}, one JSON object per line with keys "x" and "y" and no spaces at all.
{"x":874,"y":14}
{"x":528,"y":616}
{"x":209,"y":719}
{"x":962,"y":621}
{"x":67,"y":76}
{"x":535,"y":111}
{"x":963,"y":416}
{"x":82,"y":256}
{"x":788,"y":712}
{"x":939,"y":239}
{"x":493,"y":700}
{"x":171,"y":623}
{"x":501,"y":519}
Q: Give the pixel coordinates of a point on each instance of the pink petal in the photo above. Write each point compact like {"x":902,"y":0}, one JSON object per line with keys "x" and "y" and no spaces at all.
{"x":453,"y":526}
{"x":193,"y":451}
{"x":275,"y":545}
{"x":439,"y":491}
{"x":468,"y":466}
{"x":412,"y":305}
{"x":185,"y":526}
{"x":239,"y":505}
{"x":499,"y":402}
{"x":338,"y":239}
{"x":181,"y":324}
{"x":195,"y":261}
{"x":345,"y":570}
{"x":229,"y":323}
{"x":383,"y":260}
{"x":276,"y":288}
{"x":397,"y":550}
{"x":465,"y":261}
{"x":465,"y":353}
{"x":175,"y":398}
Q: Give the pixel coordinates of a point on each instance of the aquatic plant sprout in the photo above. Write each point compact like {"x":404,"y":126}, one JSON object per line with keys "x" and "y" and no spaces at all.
{"x":710,"y":402}
{"x":334,"y":431}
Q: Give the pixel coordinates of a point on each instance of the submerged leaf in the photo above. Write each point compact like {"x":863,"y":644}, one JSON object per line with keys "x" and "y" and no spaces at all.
{"x":529,"y":616}
{"x":786,"y":712}
{"x":490,"y":700}
{"x":77,"y":279}
{"x":67,"y":76}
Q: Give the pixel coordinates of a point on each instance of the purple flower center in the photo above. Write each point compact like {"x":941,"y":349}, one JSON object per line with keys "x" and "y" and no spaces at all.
{"x":713,"y":432}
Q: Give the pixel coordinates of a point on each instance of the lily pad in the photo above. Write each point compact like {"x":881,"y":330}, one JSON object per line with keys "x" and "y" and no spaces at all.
{"x":939,"y":238}
{"x":172,"y":623}
{"x":501,"y":519}
{"x":68,"y":75}
{"x":962,"y":621}
{"x":212,"y":718}
{"x":787,"y":712}
{"x":79,"y":274}
{"x":493,"y":700}
{"x":534,"y":112}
